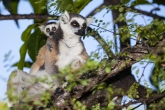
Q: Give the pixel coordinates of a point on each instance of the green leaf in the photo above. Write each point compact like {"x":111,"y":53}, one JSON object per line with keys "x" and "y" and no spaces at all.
{"x":107,"y":69}
{"x":139,"y":2}
{"x":125,"y":1}
{"x":38,"y":8}
{"x":34,"y":43}
{"x":134,"y":67}
{"x":101,"y":21}
{"x":137,"y":71}
{"x":162,"y":2}
{"x":121,"y":9}
{"x":26,"y":64}
{"x":21,"y":62}
{"x":25,"y":37}
{"x":63,"y":5}
{"x":70,"y":6}
{"x":80,"y":4}
{"x":14,"y":7}
{"x":11,"y":6}
{"x":7,"y":4}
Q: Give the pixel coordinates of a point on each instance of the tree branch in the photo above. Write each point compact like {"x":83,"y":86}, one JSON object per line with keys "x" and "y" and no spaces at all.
{"x":136,"y":54}
{"x":102,"y":42}
{"x":39,"y":16}
{"x":149,"y":100}
{"x":155,"y":16}
{"x":25,"y":16}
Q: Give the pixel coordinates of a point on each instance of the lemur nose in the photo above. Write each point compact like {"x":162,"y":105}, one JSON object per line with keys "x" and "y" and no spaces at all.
{"x":81,"y":32}
{"x":51,"y":33}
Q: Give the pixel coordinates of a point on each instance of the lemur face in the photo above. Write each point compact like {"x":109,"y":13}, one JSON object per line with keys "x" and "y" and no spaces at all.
{"x":49,"y":29}
{"x":74,"y":24}
{"x":78,"y":26}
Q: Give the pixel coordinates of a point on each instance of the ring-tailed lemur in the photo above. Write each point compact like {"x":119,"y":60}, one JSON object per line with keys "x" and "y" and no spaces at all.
{"x":67,"y":47}
{"x":67,"y":42}
{"x":20,"y":81}
{"x":49,"y":30}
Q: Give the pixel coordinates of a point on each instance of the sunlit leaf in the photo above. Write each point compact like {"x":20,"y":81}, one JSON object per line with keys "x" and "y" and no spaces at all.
{"x":38,"y":8}
{"x":140,"y":2}
{"x":107,"y":69}
{"x":121,"y":9}
{"x":63,"y":5}
{"x":3,"y":106}
{"x":75,"y":6}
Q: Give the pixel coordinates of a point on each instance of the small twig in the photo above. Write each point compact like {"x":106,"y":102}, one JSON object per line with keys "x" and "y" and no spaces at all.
{"x":149,"y":100}
{"x":102,"y":42}
{"x":147,"y":14}
{"x":137,"y":106}
{"x":103,"y":28}
{"x":162,"y":33}
{"x":143,"y":72}
{"x":142,"y":15}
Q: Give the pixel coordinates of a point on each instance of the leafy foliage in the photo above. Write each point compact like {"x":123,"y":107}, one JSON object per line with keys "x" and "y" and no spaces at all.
{"x":3,"y":106}
{"x":70,"y":5}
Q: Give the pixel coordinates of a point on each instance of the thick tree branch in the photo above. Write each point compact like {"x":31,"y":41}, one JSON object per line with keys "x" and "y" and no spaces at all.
{"x":25,"y":16}
{"x":135,"y":54}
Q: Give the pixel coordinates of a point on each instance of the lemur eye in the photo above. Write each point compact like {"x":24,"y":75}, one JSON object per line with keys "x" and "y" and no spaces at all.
{"x":75,"y":24}
{"x":84,"y":25}
{"x":53,"y":28}
{"x":47,"y":30}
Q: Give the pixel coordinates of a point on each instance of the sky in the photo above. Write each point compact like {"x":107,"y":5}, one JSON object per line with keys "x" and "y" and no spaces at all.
{"x":11,"y":42}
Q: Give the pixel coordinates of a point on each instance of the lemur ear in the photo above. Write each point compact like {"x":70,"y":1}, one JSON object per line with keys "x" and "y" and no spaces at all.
{"x":41,"y":27}
{"x":89,"y":20}
{"x":65,"y":17}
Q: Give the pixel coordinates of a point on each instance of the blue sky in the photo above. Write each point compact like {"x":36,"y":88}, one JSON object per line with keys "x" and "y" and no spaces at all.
{"x":10,"y":41}
{"x":10,"y":37}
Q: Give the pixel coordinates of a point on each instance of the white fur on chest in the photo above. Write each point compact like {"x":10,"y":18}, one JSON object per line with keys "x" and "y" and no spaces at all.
{"x":69,"y":51}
